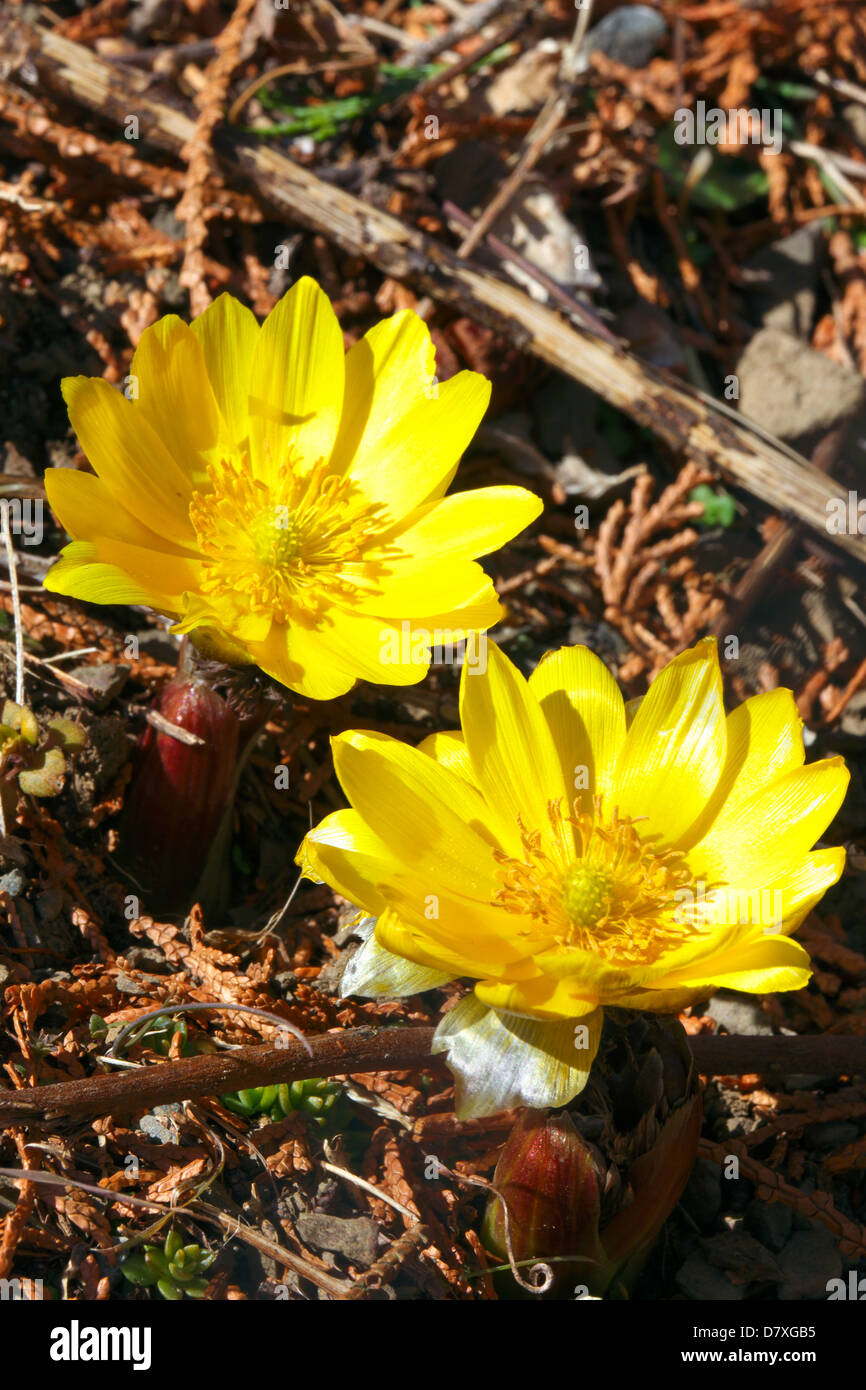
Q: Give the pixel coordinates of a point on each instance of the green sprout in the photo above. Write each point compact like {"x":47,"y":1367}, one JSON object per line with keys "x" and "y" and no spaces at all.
{"x":36,"y":753}
{"x":158,"y":1035}
{"x":176,"y":1269}
{"x":314,"y":1097}
{"x":719,"y":507}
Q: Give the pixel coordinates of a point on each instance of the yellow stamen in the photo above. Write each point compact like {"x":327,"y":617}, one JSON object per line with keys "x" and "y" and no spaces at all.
{"x":293,"y":545}
{"x":598,"y":888}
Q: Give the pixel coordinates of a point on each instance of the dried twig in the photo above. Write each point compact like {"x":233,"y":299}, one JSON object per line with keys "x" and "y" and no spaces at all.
{"x":384,"y":1049}
{"x":16,"y":604}
{"x":548,"y":119}
{"x":198,"y":155}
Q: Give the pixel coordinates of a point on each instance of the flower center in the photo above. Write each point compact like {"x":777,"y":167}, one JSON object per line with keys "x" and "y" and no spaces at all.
{"x":587,"y":894}
{"x":596,"y":886}
{"x":287,"y":547}
{"x":276,"y":538}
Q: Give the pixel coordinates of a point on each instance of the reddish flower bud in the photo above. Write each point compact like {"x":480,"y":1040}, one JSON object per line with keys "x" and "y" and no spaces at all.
{"x":179,"y":792}
{"x":552,"y":1182}
{"x":603,"y":1203}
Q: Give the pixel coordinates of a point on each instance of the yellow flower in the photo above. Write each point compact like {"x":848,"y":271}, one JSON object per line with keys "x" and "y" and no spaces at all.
{"x":568,"y":851}
{"x":283,"y":500}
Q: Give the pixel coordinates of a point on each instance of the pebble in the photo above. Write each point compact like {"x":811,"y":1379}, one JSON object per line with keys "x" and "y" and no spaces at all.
{"x":797,"y":393}
{"x":630,"y":34}
{"x":13,"y":883}
{"x":103,"y":681}
{"x":737,"y":1014}
{"x":771,"y":1222}
{"x":808,"y":1262}
{"x":155,"y":1130}
{"x":697,"y":1279}
{"x":831,"y":1135}
{"x":356,"y":1238}
{"x":702,"y":1198}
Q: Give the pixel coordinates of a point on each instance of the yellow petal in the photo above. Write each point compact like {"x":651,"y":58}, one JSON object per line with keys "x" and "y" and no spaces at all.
{"x":516,"y":765}
{"x":227,"y":332}
{"x":774,"y":828}
{"x":344,"y":853}
{"x":475,"y":955}
{"x":465,"y":524}
{"x":298,"y":657}
{"x":110,"y":572}
{"x":449,"y":750}
{"x":130,"y":458}
{"x":385,"y":370}
{"x":776,"y":905}
{"x":674,"y":750}
{"x":539,"y":998}
{"x":400,"y":442}
{"x":87,"y":510}
{"x":414,"y":593}
{"x":758,"y":965}
{"x":584,"y":710}
{"x":428,"y":817}
{"x":766,"y":910}
{"x":368,"y":647}
{"x":296,"y":391}
{"x":764,"y":739}
{"x":175,"y":396}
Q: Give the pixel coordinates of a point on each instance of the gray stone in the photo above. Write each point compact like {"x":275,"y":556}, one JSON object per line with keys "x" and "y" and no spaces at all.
{"x":702,"y":1198}
{"x":832,"y":1135}
{"x":795,"y":393}
{"x":743,"y":1258}
{"x":355,"y":1238}
{"x":148,"y":960}
{"x":738,"y":1014}
{"x":770,"y":1221}
{"x":630,"y":34}
{"x":782,"y":281}
{"x":809,"y":1261}
{"x":103,"y":681}
{"x":49,"y":904}
{"x":807,"y":1081}
{"x":698,"y":1280}
{"x":13,"y":883}
{"x":155,"y":1129}
{"x":127,"y":985}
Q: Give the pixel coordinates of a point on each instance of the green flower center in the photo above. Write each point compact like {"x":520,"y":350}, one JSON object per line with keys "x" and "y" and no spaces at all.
{"x":587,"y":894}
{"x":276,"y":537}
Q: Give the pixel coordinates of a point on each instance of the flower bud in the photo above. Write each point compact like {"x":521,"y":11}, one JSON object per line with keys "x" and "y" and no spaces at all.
{"x":179,"y":792}
{"x":552,"y":1183}
{"x":602,"y":1203}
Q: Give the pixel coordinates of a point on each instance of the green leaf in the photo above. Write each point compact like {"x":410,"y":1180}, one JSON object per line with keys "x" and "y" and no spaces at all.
{"x":731,"y":182}
{"x":719,"y":507}
{"x":70,"y":736}
{"x":21,"y":718}
{"x":157,"y":1261}
{"x":46,"y":776}
{"x":137,"y":1271}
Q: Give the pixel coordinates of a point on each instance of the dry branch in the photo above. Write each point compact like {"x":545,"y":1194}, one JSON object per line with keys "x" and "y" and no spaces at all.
{"x":379,"y":1049}
{"x":703,"y":430}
